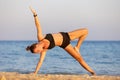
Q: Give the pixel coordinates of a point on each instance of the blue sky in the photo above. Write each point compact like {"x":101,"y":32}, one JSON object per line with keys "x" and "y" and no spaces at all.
{"x":101,"y":17}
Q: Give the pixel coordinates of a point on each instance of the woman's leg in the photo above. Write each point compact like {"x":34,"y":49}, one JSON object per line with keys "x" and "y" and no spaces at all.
{"x":79,"y":58}
{"x":79,"y":34}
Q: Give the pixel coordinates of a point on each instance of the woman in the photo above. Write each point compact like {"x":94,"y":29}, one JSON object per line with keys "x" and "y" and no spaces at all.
{"x":62,"y":39}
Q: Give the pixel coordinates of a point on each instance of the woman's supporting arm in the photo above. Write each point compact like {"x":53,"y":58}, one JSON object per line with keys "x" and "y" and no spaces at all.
{"x":42,"y":57}
{"x":38,"y":26}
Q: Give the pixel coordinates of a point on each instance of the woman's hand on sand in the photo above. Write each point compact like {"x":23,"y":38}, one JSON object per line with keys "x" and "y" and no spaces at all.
{"x":32,"y":10}
{"x":32,"y":73}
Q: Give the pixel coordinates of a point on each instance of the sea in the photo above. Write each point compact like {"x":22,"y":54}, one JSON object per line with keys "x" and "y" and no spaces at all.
{"x":102,"y":56}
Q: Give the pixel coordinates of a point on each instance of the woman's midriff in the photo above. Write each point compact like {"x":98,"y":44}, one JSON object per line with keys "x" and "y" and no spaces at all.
{"x":58,"y":39}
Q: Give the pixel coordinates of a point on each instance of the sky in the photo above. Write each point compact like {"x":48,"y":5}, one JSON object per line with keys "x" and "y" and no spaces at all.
{"x":100,"y":17}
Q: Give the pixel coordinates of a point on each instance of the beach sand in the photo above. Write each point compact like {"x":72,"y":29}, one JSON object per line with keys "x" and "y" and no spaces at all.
{"x":18,"y":76}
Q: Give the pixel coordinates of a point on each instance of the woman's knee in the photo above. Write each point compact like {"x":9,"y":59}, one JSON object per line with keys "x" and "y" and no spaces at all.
{"x":85,"y":31}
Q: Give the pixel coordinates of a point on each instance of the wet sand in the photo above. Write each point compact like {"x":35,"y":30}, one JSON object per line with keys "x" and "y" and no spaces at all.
{"x":18,"y":76}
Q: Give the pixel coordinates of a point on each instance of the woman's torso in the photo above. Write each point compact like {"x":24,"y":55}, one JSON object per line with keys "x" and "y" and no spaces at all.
{"x":57,"y":37}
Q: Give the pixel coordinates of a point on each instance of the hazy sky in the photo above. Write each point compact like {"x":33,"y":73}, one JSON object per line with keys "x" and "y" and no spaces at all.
{"x":101,"y":17}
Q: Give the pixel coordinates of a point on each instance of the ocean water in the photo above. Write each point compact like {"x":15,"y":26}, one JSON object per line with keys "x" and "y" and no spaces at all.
{"x":102,"y":56}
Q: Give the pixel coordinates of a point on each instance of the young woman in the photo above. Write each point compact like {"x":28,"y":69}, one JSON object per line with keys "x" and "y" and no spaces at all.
{"x":61,"y":39}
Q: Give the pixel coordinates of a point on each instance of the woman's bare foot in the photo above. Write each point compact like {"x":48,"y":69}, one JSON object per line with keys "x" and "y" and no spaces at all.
{"x":93,"y":73}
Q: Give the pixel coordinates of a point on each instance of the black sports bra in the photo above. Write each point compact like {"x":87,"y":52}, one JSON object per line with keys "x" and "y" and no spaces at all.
{"x":50,"y":38}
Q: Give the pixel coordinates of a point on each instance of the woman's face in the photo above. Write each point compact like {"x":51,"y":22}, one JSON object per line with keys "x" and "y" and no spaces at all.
{"x":39,"y":48}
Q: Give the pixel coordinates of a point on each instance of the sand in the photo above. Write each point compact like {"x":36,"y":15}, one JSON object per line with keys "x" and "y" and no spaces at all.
{"x":18,"y":76}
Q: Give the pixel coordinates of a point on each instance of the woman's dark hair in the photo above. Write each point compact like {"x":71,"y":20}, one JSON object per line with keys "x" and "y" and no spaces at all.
{"x":31,"y":48}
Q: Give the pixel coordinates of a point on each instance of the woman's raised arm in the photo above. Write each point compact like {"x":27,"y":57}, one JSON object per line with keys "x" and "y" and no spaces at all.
{"x":38,"y":26}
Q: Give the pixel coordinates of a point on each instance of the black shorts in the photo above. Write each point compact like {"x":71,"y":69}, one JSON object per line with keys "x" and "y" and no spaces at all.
{"x":66,"y":40}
